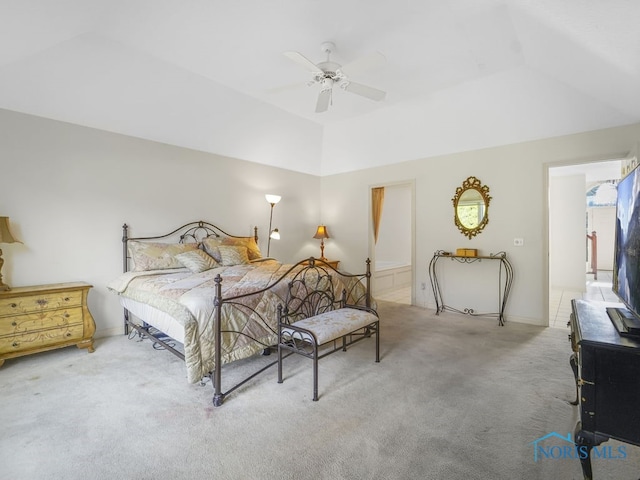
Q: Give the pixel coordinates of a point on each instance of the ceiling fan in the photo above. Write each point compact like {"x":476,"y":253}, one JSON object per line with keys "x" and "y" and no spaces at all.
{"x":329,"y":73}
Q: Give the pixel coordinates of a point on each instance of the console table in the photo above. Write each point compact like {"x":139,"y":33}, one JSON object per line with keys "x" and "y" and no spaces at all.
{"x":505,"y":279}
{"x":606,"y":366}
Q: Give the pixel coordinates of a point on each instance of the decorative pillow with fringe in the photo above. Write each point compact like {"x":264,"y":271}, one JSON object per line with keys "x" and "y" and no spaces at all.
{"x":232,"y":255}
{"x":197,"y":261}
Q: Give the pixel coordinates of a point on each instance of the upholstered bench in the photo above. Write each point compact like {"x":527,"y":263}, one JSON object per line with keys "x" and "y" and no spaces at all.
{"x":313,"y":316}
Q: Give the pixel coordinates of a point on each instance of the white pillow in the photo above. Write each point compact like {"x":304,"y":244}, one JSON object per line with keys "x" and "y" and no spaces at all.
{"x":157,"y":256}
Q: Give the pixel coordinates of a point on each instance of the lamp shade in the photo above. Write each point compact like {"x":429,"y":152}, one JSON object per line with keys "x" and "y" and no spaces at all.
{"x":5,"y":233}
{"x":272,"y":199}
{"x":275,"y":234}
{"x":321,"y":232}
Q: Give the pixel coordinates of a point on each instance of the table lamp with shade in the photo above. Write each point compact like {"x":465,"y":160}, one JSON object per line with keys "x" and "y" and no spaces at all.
{"x":5,"y":237}
{"x":321,"y":233}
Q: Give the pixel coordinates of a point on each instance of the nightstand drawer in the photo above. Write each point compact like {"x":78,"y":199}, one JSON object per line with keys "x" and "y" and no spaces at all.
{"x":35,"y":340}
{"x":20,"y":324}
{"x":40,"y":302}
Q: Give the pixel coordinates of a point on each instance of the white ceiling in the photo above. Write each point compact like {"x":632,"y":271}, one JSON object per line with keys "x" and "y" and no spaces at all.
{"x":174,"y":70}
{"x":593,"y":172}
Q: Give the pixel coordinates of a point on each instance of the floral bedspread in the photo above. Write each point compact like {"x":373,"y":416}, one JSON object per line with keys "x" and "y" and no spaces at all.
{"x":249,"y":324}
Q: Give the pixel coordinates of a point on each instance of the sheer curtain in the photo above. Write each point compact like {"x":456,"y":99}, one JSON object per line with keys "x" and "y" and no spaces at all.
{"x":377,"y":201}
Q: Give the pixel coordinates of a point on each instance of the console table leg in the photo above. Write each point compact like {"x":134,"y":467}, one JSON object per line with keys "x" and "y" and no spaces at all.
{"x":573,"y":361}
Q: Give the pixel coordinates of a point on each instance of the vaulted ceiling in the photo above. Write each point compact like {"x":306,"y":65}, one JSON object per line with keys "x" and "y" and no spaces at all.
{"x":194,"y":73}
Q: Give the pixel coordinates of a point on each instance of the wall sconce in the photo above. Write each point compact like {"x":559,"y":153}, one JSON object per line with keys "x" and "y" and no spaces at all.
{"x":275,"y":234}
{"x":321,"y":233}
{"x":5,"y":237}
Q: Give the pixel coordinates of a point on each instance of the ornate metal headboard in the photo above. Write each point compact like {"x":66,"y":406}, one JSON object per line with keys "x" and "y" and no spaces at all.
{"x":193,"y":232}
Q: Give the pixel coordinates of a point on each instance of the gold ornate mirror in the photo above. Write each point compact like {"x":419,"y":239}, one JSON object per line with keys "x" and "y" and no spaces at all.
{"x":471,"y":207}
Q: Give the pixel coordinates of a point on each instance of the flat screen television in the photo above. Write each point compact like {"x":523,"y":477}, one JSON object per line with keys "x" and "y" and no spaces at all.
{"x":626,"y":268}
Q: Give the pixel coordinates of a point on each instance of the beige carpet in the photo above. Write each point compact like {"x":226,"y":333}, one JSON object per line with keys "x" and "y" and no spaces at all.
{"x":453,"y":397}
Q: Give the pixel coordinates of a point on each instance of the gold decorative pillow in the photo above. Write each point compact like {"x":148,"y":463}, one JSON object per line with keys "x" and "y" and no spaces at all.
{"x":233,"y":255}
{"x":253,"y":250}
{"x":197,"y":261}
{"x":156,"y":255}
{"x":211,"y":245}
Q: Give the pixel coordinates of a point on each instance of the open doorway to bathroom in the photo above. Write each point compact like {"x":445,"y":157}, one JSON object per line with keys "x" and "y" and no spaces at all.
{"x":581,"y":235}
{"x":392,"y":251}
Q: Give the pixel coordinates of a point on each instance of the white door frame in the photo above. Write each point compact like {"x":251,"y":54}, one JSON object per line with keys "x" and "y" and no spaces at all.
{"x":372,"y":247}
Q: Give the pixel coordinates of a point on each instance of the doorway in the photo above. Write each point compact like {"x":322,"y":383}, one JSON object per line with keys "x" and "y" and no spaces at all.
{"x":392,"y":252}
{"x":579,"y":263}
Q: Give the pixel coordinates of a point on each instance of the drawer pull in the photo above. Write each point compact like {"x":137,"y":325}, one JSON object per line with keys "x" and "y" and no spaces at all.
{"x":66,"y":315}
{"x":15,"y":344}
{"x":42,"y":302}
{"x":14,"y":324}
{"x":66,"y":299}
{"x":14,"y":305}
{"x":68,"y":334}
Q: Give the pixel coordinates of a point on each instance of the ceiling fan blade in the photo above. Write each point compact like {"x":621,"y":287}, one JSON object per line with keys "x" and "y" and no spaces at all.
{"x":375,"y":59}
{"x":364,"y":91}
{"x":323,"y":100}
{"x":303,"y":61}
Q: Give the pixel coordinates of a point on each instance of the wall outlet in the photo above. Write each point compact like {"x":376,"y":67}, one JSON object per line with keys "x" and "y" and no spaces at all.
{"x":518,"y":242}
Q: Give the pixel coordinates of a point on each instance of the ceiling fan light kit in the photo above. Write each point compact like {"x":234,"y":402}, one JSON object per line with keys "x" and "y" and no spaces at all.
{"x":328,"y":73}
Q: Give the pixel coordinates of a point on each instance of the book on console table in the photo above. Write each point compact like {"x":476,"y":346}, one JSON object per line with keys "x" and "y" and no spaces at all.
{"x":625,"y":322}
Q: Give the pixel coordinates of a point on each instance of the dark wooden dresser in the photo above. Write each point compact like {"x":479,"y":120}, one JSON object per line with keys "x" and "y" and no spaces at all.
{"x":607,"y":370}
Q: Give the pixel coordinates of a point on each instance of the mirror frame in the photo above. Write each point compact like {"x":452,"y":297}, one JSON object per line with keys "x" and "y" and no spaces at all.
{"x":472,"y":183}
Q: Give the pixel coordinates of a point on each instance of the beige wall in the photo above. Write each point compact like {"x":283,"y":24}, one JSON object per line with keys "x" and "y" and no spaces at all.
{"x":602,"y":220}
{"x":567,"y":229}
{"x":516,"y":175}
{"x":68,"y":190}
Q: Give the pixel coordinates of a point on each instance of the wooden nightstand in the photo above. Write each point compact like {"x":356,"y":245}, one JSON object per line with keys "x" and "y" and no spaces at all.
{"x":331,"y":263}
{"x":44,"y":317}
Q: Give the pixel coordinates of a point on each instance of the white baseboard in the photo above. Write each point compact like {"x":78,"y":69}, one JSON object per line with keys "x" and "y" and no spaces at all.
{"x":109,"y":332}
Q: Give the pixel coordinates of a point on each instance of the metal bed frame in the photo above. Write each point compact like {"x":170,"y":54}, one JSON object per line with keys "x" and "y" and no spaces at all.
{"x":193,"y":232}
{"x":196,"y":232}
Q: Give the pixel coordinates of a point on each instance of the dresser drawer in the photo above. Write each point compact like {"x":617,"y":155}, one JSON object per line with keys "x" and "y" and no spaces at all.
{"x":44,"y":317}
{"x":39,"y":302}
{"x":41,"y":338}
{"x":20,"y":324}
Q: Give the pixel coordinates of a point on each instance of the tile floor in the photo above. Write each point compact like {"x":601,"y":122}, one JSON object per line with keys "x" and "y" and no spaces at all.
{"x":401,"y":295}
{"x":560,"y":300}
